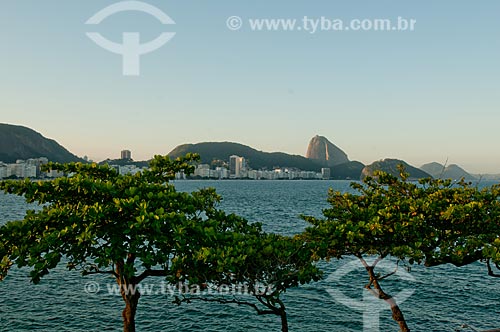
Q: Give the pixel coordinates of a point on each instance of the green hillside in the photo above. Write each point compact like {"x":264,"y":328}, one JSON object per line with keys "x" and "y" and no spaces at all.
{"x":347,"y":171}
{"x":18,"y":142}
{"x":391,"y":166}
{"x":210,"y":151}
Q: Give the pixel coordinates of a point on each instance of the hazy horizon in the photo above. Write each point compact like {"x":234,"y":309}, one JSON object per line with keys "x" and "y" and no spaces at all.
{"x":421,"y":96}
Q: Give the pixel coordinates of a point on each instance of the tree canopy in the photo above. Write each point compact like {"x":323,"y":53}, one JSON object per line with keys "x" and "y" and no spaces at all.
{"x":132,"y":227}
{"x":263,"y":265}
{"x":137,"y":226}
{"x":128,"y":226}
{"x":431,"y":222}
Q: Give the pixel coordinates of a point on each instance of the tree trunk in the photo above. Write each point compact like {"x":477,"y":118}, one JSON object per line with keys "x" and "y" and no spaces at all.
{"x":270,"y":302}
{"x":397,"y":314}
{"x":131,"y":300}
{"x":284,"y":321}
{"x":281,"y":311}
{"x":129,"y":292}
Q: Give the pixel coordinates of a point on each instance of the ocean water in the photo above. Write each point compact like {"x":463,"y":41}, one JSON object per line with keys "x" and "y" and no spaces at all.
{"x":435,"y":299}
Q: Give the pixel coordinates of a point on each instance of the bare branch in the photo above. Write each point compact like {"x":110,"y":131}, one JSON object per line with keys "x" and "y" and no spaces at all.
{"x":490,"y":270}
{"x":390,"y":274}
{"x":444,"y":168}
{"x":365,"y":264}
{"x":113,"y":273}
{"x":226,"y":301}
{"x":268,"y":304}
{"x":150,"y":273}
{"x":379,"y":258}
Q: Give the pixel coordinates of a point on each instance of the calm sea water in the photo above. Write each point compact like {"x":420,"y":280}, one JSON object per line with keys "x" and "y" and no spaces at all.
{"x":443,"y":298}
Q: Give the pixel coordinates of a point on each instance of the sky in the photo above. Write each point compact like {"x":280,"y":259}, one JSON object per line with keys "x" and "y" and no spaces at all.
{"x":431,"y":94}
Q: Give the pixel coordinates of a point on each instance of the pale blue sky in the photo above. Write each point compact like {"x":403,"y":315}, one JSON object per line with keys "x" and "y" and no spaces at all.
{"x":421,"y":96}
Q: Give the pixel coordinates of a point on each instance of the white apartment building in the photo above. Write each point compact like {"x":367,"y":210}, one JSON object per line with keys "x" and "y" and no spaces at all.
{"x":236,"y":166}
{"x":222,"y":172}
{"x":128,"y":169}
{"x":26,"y":169}
{"x":202,"y":170}
{"x":3,"y":170}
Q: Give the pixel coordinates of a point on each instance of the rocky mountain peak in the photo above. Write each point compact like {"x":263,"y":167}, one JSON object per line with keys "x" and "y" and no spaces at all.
{"x":322,"y":150}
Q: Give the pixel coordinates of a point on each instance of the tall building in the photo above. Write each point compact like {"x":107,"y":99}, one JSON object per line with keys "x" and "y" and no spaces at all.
{"x":236,"y":165}
{"x":3,"y":170}
{"x":126,"y":155}
{"x":325,"y":173}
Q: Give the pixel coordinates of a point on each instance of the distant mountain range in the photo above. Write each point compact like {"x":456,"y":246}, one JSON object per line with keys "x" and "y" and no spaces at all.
{"x":453,"y":171}
{"x":215,"y":153}
{"x":18,"y":142}
{"x":391,"y":166}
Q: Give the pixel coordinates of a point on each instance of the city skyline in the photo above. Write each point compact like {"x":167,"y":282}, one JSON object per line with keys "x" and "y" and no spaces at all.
{"x":241,"y":161}
{"x":421,"y":96}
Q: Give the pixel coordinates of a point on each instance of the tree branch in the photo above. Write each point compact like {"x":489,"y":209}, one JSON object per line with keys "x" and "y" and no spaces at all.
{"x":360,"y":257}
{"x":113,"y":273}
{"x":390,"y":274}
{"x":150,"y":273}
{"x":457,"y":262}
{"x":268,"y":304}
{"x":379,"y":258}
{"x":225,"y":301}
{"x":130,"y":259}
{"x":490,"y":270}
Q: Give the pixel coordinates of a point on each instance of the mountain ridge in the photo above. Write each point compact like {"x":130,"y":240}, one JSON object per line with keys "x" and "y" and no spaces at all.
{"x":452,"y":171}
{"x":20,"y":142}
{"x":210,"y":151}
{"x":390,"y":165}
{"x":214,"y":152}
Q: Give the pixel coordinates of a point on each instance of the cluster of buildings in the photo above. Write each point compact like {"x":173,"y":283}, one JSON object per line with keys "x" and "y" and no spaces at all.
{"x":238,"y":169}
{"x":127,"y":169}
{"x":30,"y":168}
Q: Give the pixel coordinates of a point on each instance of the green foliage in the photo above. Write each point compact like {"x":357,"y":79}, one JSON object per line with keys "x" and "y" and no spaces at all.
{"x":97,"y":218}
{"x":492,"y":252}
{"x":136,"y":226}
{"x":263,"y":265}
{"x":250,"y":257}
{"x":432,"y":221}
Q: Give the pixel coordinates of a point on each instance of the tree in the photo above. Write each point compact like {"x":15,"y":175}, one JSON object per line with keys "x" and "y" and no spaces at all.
{"x":492,"y":257}
{"x":462,"y":224}
{"x":431,"y":222}
{"x":128,"y":226}
{"x":458,"y":222}
{"x":253,"y":263}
